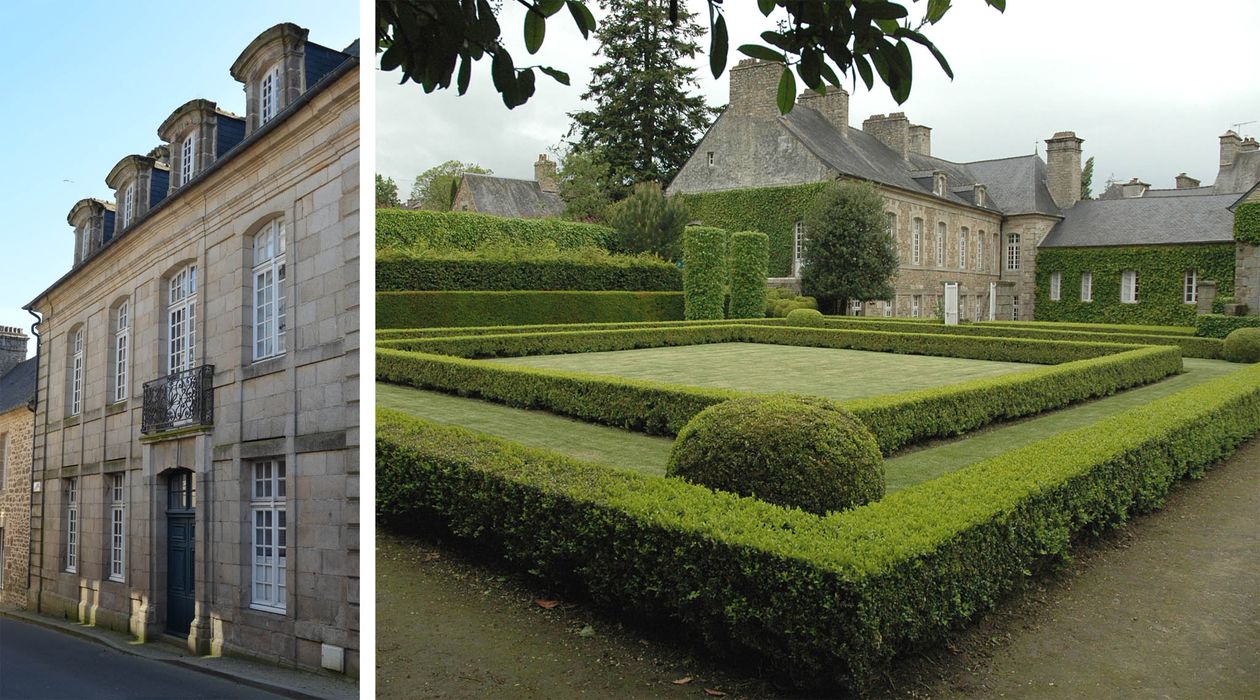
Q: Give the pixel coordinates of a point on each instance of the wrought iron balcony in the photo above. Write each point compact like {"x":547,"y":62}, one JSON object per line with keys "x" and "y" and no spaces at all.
{"x":179,"y":399}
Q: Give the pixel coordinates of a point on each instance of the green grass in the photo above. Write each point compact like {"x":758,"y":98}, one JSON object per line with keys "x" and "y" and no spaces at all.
{"x":754,"y":367}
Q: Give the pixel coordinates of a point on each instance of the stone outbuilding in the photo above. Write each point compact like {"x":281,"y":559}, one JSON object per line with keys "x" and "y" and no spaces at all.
{"x":506,"y":196}
{"x":17,"y":424}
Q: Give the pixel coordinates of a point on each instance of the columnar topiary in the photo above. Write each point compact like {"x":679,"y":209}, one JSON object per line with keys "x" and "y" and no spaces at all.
{"x":704,"y":272}
{"x":805,"y":317}
{"x":797,"y":451}
{"x":1242,"y":345}
{"x":749,"y":260}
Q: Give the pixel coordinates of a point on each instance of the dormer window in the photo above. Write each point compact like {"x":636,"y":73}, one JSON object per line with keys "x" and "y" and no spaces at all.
{"x":269,"y":95}
{"x":981,"y":200}
{"x":129,"y":204}
{"x":85,"y":242}
{"x":187,"y":164}
{"x":939,"y":181}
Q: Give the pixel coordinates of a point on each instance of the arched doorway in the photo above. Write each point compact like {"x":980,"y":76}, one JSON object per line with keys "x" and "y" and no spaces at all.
{"x":181,"y":555}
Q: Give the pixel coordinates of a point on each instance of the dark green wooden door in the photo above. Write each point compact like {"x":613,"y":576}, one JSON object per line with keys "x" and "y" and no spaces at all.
{"x":180,"y":564}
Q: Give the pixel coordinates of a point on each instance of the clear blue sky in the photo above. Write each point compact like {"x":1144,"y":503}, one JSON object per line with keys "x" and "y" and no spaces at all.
{"x":88,"y":83}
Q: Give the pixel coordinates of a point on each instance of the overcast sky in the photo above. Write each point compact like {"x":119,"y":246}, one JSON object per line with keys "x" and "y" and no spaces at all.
{"x":1148,"y":85}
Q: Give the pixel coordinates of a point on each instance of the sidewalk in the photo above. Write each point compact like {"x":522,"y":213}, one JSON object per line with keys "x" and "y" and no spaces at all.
{"x":303,"y":685}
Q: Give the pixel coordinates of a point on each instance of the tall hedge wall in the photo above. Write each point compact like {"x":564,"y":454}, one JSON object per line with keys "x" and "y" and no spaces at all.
{"x":705,"y":275}
{"x":1247,"y":223}
{"x":398,"y":271}
{"x":439,"y":309}
{"x":1160,"y":269}
{"x":749,"y":256}
{"x":771,"y":210}
{"x":461,"y":230}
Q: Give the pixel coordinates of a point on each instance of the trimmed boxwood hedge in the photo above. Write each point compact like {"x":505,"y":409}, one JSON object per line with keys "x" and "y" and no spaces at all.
{"x":425,"y":309}
{"x":771,"y":210}
{"x":1080,"y":327}
{"x":1219,"y":326}
{"x":385,"y":337}
{"x":399,"y":271}
{"x":705,"y":275}
{"x":748,"y":261}
{"x":462,"y":230}
{"x":819,"y":600}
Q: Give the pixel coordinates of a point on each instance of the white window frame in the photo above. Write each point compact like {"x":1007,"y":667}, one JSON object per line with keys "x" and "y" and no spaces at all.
{"x":1087,"y":286}
{"x":1014,"y":307}
{"x":129,"y":204}
{"x":122,"y":347}
{"x":76,"y":373}
{"x":980,"y":251}
{"x":916,"y":243}
{"x":710,"y":157}
{"x":269,"y":296}
{"x":269,"y":95}
{"x":855,"y":307}
{"x":72,"y":524}
{"x":268,"y":525}
{"x":1056,"y":286}
{"x":1012,"y":251}
{"x":188,"y":158}
{"x":85,"y":242}
{"x":940,"y":243}
{"x":181,"y":320}
{"x":1129,"y":287}
{"x":916,"y":305}
{"x":1191,"y":287}
{"x":963,"y":235}
{"x":939,"y":185}
{"x":117,"y":527}
{"x":888,"y":308}
{"x":798,"y":248}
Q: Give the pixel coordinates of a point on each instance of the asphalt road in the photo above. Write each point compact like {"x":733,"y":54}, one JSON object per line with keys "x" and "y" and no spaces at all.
{"x":36,"y":662}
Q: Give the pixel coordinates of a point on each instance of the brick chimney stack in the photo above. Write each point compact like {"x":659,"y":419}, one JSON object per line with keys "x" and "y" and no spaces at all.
{"x":1063,"y":171}
{"x":893,"y":131}
{"x":1185,"y":182}
{"x":755,"y":88}
{"x":921,"y":139}
{"x":12,"y":348}
{"x":834,"y":106}
{"x":1248,"y":144}
{"x":1229,"y":147}
{"x":545,"y":174}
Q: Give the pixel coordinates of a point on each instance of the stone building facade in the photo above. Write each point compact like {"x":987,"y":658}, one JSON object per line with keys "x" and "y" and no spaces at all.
{"x":17,"y":424}
{"x":196,"y":439}
{"x":507,"y":196}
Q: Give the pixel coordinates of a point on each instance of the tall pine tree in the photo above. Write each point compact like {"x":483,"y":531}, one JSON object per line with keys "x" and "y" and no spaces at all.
{"x":646,"y":121}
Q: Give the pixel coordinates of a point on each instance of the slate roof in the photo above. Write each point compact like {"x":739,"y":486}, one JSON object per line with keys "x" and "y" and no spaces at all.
{"x":1145,"y":221}
{"x":17,"y":386}
{"x":506,"y":196}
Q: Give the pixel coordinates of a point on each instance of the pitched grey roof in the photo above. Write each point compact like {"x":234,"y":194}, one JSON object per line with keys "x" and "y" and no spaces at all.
{"x":1017,"y":185}
{"x":506,"y":196}
{"x":1145,"y":221}
{"x":17,"y":386}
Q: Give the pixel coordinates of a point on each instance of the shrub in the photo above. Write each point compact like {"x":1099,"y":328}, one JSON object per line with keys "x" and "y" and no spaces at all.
{"x":849,"y":252}
{"x":783,"y":301}
{"x":795,"y":451}
{"x":479,"y":308}
{"x":749,"y":257}
{"x":806,"y":317}
{"x":648,"y":222}
{"x":462,"y":230}
{"x":506,"y":269}
{"x":704,"y":272}
{"x":1219,"y":326}
{"x":1243,"y":345}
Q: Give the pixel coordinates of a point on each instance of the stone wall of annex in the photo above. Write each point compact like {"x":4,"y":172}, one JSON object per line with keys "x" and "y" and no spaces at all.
{"x":16,"y":427}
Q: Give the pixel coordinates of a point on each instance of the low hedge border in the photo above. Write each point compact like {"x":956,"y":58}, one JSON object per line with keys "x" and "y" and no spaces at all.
{"x":818,"y":599}
{"x":480,"y":308}
{"x":385,"y":337}
{"x":400,"y":271}
{"x":1093,"y":327}
{"x":1219,"y":326}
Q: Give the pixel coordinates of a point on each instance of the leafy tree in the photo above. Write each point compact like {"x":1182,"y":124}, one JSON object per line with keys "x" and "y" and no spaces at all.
{"x":1087,"y":179}
{"x":849,"y":251}
{"x":649,"y":222}
{"x":583,"y":178}
{"x":820,"y":41}
{"x":386,"y":192}
{"x":644,"y":122}
{"x":435,"y":188}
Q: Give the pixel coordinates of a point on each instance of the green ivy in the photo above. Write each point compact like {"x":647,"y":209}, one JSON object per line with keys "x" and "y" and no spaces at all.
{"x":1247,"y":223}
{"x":461,"y":230}
{"x":1160,"y":269}
{"x":771,"y":210}
{"x":516,"y":269}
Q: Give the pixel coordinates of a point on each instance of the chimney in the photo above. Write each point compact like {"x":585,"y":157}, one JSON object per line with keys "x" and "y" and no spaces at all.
{"x":1185,"y":182}
{"x":545,"y":174}
{"x":12,"y":348}
{"x":893,"y":131}
{"x":834,"y":106}
{"x":1229,"y":146}
{"x":921,"y":139}
{"x":1063,"y":161}
{"x":755,"y":88}
{"x":1135,"y":188}
{"x":1248,"y":144}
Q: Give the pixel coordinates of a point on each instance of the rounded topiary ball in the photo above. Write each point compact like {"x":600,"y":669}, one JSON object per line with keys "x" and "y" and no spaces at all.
{"x":805,"y":317}
{"x":1243,"y":345}
{"x":789,"y":450}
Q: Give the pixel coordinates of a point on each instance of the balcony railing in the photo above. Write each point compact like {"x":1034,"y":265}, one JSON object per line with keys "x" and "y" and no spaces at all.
{"x":179,"y":399}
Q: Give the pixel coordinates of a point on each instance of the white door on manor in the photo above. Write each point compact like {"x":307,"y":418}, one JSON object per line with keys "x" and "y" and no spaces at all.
{"x":951,"y":303}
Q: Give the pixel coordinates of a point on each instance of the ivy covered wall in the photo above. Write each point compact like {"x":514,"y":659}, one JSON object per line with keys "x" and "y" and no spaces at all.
{"x":1247,"y":223}
{"x":1161,"y":279}
{"x":771,"y":210}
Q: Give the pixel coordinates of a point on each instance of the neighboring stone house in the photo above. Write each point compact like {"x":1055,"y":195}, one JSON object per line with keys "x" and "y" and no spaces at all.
{"x":978,"y":223}
{"x":196,"y":443}
{"x":505,"y":196}
{"x":17,"y":422}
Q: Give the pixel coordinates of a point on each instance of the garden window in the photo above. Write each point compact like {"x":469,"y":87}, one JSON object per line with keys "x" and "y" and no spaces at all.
{"x":916,"y":243}
{"x":963,"y":235}
{"x":269,"y":536}
{"x":1012,"y":251}
{"x":940,"y":244}
{"x":798,"y":238}
{"x":72,"y":524}
{"x":1191,"y":287}
{"x":1129,"y":287}
{"x":1087,"y":286}
{"x":117,"y":527}
{"x":1056,"y":285}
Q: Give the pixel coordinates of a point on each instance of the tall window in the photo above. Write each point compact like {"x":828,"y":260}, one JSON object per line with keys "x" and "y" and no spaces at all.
{"x":1056,"y":285}
{"x":76,"y":373}
{"x":269,"y":320}
{"x":1129,"y":287}
{"x":1087,"y":286}
{"x":940,"y":244}
{"x":887,"y":308}
{"x":1015,"y":307}
{"x":916,"y":243}
{"x":187,"y":158}
{"x":916,"y":305}
{"x":72,"y":524}
{"x":85,"y":242}
{"x":269,"y":96}
{"x":181,"y":314}
{"x":117,"y":527}
{"x":1192,"y":287}
{"x":891,"y":218}
{"x":962,"y":248}
{"x":269,"y":535}
{"x":855,"y":307}
{"x":980,"y":251}
{"x":1012,"y":251}
{"x":129,"y":204}
{"x":4,"y":459}
{"x":798,"y":247}
{"x":122,"y":341}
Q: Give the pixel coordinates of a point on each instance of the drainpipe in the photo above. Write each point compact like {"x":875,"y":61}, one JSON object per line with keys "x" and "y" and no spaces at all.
{"x":30,"y":558}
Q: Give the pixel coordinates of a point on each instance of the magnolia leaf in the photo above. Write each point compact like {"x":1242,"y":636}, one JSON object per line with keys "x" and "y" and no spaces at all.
{"x":787,"y":90}
{"x":718,"y":47}
{"x":535,"y":31}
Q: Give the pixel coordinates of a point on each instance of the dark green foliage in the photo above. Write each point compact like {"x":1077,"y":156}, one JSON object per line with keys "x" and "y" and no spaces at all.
{"x":514,"y":269}
{"x":1087,"y":179}
{"x":1219,"y":302}
{"x":805,"y":317}
{"x":435,"y":188}
{"x":460,"y":230}
{"x":749,"y":257}
{"x":771,"y":210}
{"x":649,"y":222}
{"x":647,"y":112}
{"x":441,"y":309}
{"x":781,"y":301}
{"x":795,"y":451}
{"x":386,"y":192}
{"x":817,"y":599}
{"x":583,"y":179}
{"x":1218,"y":326}
{"x":386,"y":336}
{"x":704,"y":272}
{"x":849,"y":251}
{"x":1084,"y":327}
{"x":1247,"y":223}
{"x":1243,"y":345}
{"x":1161,"y":278}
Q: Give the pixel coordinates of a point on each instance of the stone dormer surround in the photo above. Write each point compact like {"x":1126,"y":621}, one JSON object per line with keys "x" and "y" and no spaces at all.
{"x":90,"y":218}
{"x":283,"y":46}
{"x":149,"y":177}
{"x":197,"y":117}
